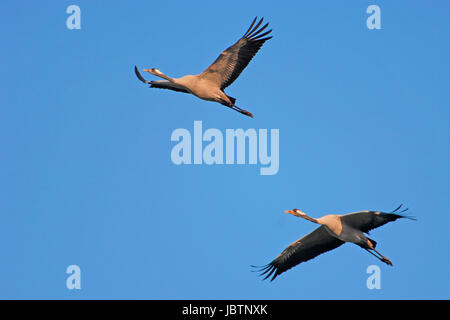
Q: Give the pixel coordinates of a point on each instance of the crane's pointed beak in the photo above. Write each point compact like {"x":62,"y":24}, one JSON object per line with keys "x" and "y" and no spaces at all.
{"x":298,"y":213}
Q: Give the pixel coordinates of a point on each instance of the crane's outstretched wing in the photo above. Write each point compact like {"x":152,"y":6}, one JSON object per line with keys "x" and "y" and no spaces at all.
{"x":368,"y":220}
{"x":310,"y":246}
{"x":229,"y":65}
{"x":160,"y":84}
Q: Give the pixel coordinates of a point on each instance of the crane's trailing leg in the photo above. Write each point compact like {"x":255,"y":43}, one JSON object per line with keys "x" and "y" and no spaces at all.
{"x":379,"y":256}
{"x":236,"y":108}
{"x":243,"y":111}
{"x":384,"y":259}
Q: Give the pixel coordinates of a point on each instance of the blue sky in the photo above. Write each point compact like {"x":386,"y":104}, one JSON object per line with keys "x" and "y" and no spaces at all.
{"x":86,"y":174}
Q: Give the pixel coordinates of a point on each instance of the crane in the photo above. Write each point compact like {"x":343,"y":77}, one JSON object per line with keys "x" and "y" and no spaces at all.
{"x":334,"y":231}
{"x":210,"y":84}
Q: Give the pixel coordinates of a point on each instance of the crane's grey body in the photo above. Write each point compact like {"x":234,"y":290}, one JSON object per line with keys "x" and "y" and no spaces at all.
{"x":350,"y":234}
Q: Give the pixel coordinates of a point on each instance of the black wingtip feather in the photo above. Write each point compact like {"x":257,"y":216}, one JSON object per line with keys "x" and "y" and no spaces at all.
{"x":140,"y":77}
{"x":257,"y":32}
{"x":272,"y":270}
{"x":253,"y":31}
{"x":399,"y":214}
{"x":262,"y":35}
{"x":266,"y":271}
{"x":251,"y":26}
{"x":408,"y":217}
{"x":264,"y":39}
{"x":255,"y":27}
{"x":398,"y":208}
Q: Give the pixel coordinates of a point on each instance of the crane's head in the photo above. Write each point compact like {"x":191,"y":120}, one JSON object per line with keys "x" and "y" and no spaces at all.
{"x":296,"y":212}
{"x":153,"y":71}
{"x":301,"y":214}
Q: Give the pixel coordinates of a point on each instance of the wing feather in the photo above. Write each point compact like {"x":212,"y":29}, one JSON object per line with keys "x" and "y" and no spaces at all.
{"x":232,"y":61}
{"x":368,"y":220}
{"x":310,"y":246}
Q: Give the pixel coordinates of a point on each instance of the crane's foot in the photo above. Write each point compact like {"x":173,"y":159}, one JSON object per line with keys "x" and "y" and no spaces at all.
{"x":236,"y":108}
{"x":247,"y":113}
{"x":387,"y":261}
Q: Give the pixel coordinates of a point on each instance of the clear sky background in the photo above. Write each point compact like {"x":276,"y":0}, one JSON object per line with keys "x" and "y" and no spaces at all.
{"x":86,"y":176}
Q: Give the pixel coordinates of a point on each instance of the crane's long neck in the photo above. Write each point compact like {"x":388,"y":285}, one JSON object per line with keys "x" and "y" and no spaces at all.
{"x":303,"y":215}
{"x":161,"y":75}
{"x":309,"y":218}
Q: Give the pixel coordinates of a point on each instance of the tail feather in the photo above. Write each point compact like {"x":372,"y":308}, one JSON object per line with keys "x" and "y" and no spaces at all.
{"x":373,"y":242}
{"x":233,"y":100}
